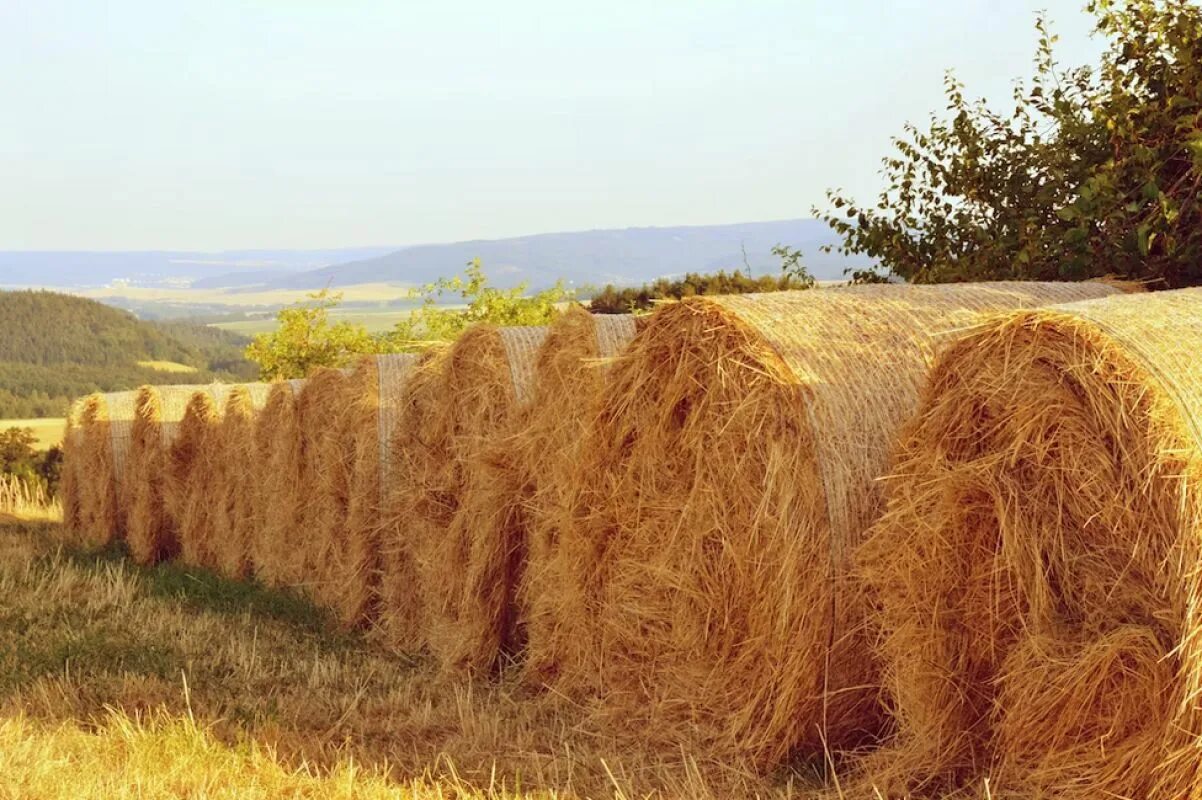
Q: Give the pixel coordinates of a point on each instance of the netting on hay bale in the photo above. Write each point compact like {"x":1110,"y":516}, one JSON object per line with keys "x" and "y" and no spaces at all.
{"x":150,"y":530}
{"x":487,"y":377}
{"x":1035,"y":578}
{"x":234,"y":484}
{"x":103,"y":444}
{"x":729,"y":469}
{"x":400,"y":603}
{"x":190,"y":476}
{"x":375,"y":391}
{"x":275,"y":551}
{"x":521,"y":486}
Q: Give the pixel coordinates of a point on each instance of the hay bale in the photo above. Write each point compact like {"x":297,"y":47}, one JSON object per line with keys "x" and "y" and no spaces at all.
{"x":326,"y":464}
{"x":522,"y":484}
{"x":487,"y":377}
{"x":104,"y":425}
{"x":730,"y":468}
{"x":405,"y":505}
{"x":150,"y":531}
{"x":375,"y":392}
{"x":1035,"y":577}
{"x":236,"y":472}
{"x":190,"y":474}
{"x":274,"y":550}
{"x":69,"y":486}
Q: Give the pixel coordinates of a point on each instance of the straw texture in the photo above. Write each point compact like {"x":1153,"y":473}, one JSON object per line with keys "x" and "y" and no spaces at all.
{"x":728,"y":471}
{"x":189,"y":479}
{"x":150,"y":530}
{"x":274,"y":550}
{"x":376,"y":390}
{"x":1035,"y":580}
{"x":235,"y":473}
{"x":72,"y":476}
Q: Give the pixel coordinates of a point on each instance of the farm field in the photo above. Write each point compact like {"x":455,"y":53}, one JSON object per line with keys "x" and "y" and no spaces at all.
{"x":367,"y":292}
{"x":49,"y":430}
{"x":168,"y":366}
{"x":373,"y":321}
{"x":171,"y":679}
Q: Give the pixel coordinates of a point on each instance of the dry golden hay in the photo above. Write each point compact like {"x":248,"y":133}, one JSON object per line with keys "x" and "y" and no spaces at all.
{"x":150,"y":531}
{"x":487,"y":377}
{"x":274,"y":548}
{"x":104,"y":423}
{"x":190,"y":475}
{"x":326,"y":463}
{"x":236,"y":472}
{"x":71,"y":472}
{"x":400,"y":604}
{"x":729,"y":468}
{"x":1035,"y":579}
{"x":520,"y":485}
{"x":374,"y":392}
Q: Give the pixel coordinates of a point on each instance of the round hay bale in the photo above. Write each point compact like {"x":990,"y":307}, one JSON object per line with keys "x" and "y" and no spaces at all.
{"x":190,"y":475}
{"x":274,"y":550}
{"x":1035,"y":578}
{"x":150,"y":531}
{"x":236,"y":473}
{"x":326,"y":463}
{"x":375,"y":392}
{"x":730,"y":468}
{"x":416,"y":448}
{"x":522,"y":484}
{"x":104,"y":424}
{"x":69,"y":485}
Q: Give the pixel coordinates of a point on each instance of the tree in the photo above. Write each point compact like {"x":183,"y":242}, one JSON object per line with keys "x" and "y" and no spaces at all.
{"x":437,"y":321}
{"x":1095,"y":172}
{"x":306,"y":339}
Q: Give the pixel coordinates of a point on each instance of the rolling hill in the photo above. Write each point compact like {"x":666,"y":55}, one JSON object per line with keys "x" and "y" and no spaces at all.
{"x":55,"y":347}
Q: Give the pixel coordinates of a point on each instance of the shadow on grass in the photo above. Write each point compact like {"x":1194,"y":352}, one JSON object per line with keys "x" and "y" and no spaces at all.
{"x":204,"y":590}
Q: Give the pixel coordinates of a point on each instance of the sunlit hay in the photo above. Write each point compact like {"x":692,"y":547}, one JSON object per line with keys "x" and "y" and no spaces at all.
{"x":415,"y":448}
{"x":325,"y":479}
{"x":1035,"y":579}
{"x":520,"y":480}
{"x":69,"y":485}
{"x":103,"y":445}
{"x":729,"y":468}
{"x":275,"y":551}
{"x":190,"y":474}
{"x":150,"y":531}
{"x":375,"y":391}
{"x":236,"y":473}
{"x":466,"y":562}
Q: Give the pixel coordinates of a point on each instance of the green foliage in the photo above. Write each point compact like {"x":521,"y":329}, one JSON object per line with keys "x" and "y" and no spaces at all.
{"x":611,"y":300}
{"x":54,"y":348}
{"x":1094,"y":172}
{"x":306,"y":339}
{"x":20,"y":457}
{"x":437,"y":321}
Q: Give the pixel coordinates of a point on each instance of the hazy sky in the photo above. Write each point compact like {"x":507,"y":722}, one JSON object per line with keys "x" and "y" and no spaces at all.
{"x":307,"y":123}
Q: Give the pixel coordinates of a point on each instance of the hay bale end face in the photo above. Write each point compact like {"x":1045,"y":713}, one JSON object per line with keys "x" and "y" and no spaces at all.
{"x":233,"y":493}
{"x":1035,"y":577}
{"x":72,"y":472}
{"x":728,"y":471}
{"x":104,"y":428}
{"x":274,"y":550}
{"x":150,"y":529}
{"x":190,"y":473}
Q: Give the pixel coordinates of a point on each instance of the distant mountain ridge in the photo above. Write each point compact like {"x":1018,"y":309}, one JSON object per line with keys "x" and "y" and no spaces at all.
{"x":622,"y":256}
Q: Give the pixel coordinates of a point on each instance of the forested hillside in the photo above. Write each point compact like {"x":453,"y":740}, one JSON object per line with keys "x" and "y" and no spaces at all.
{"x":54,"y":347}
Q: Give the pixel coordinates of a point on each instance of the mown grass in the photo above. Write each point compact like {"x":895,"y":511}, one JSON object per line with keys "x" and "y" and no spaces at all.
{"x":186,"y":684}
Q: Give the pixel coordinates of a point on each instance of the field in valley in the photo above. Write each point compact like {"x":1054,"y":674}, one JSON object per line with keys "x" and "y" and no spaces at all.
{"x":48,"y":430}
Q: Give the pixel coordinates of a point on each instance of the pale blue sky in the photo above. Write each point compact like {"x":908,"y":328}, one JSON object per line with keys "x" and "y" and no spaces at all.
{"x":298,"y":123}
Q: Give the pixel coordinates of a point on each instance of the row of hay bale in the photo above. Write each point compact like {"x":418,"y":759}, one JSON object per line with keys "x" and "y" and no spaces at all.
{"x":694,"y":530}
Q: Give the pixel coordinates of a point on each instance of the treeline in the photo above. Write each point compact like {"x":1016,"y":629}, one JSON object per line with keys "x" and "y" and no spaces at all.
{"x":54,"y":348}
{"x":20,"y":458}
{"x":612,"y":300}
